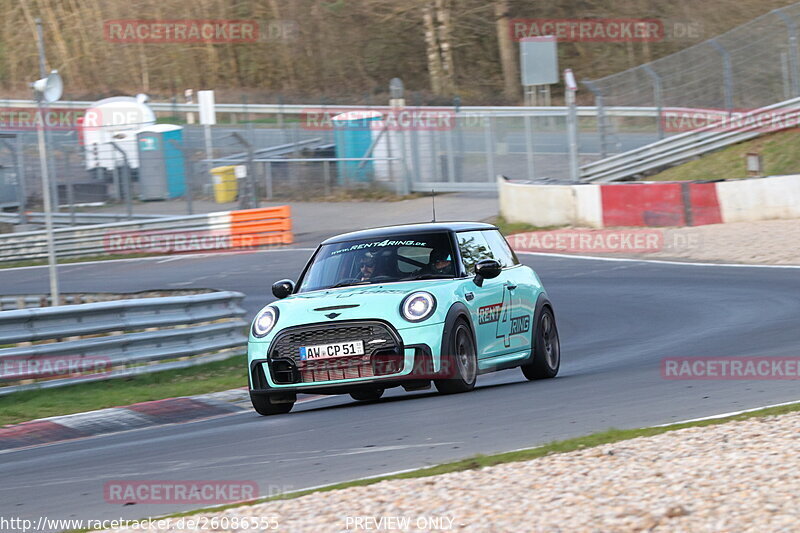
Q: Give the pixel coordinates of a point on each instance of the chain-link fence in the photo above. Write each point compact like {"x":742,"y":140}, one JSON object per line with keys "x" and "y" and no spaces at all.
{"x":748,"y":67}
{"x":288,"y":159}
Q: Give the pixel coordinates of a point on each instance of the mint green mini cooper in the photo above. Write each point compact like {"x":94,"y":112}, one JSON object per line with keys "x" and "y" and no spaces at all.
{"x":401,"y":306}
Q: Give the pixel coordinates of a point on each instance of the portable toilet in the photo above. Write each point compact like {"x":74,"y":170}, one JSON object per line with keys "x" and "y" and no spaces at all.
{"x":353,"y":135}
{"x":162,"y":168}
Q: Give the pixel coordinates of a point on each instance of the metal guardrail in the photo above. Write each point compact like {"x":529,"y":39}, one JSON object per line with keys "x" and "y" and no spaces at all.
{"x":66,"y":219}
{"x":683,"y":146}
{"x":297,"y":109}
{"x":234,"y":229}
{"x":119,"y":333}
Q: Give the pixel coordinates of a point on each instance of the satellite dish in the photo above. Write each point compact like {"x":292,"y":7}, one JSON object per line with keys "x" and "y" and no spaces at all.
{"x":49,"y":89}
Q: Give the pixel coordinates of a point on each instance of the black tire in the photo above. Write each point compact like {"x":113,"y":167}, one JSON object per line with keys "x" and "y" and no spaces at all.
{"x":546,"y":357}
{"x":263,"y":405}
{"x":367,"y":395}
{"x":459,"y":361}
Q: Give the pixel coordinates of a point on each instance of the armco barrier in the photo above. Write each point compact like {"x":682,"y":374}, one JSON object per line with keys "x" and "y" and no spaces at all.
{"x":194,"y":233}
{"x":117,"y":338}
{"x":643,"y":204}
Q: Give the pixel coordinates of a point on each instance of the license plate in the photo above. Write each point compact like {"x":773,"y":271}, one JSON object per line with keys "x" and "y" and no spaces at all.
{"x":328,"y":351}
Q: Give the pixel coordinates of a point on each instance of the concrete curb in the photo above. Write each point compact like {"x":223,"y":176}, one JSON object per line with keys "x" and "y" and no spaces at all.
{"x":115,"y":419}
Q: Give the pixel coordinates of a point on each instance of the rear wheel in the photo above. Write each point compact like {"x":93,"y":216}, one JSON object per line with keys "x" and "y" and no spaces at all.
{"x":264,"y":406}
{"x":367,"y":395}
{"x":546,"y":356}
{"x":460,"y":361}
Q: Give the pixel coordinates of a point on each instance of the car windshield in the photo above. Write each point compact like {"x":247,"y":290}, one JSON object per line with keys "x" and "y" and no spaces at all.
{"x":381,"y":260}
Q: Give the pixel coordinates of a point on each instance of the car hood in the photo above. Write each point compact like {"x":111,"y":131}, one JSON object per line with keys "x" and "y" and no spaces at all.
{"x":380,"y":302}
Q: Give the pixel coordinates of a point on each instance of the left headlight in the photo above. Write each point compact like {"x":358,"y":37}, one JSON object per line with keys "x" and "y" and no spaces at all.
{"x":265,"y":321}
{"x":418,"y":306}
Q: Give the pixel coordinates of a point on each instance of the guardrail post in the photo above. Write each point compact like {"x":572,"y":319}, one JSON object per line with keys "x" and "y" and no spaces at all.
{"x":658,"y":96}
{"x":326,"y":177}
{"x":601,"y":117}
{"x":794,"y":62}
{"x":488,"y":138}
{"x":529,"y":147}
{"x":727,"y":72}
{"x":126,"y":177}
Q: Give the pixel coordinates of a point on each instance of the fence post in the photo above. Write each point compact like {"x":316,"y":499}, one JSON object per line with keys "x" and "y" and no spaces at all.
{"x":23,"y":192}
{"x":601,"y":117}
{"x":794,"y":63}
{"x":727,"y":72}
{"x":658,"y":96}
{"x":529,"y":147}
{"x":488,"y":137}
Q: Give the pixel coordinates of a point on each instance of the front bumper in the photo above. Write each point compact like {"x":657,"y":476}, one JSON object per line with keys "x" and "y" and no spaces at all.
{"x":411,"y":356}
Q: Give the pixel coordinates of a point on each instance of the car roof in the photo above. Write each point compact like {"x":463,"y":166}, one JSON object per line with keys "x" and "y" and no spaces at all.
{"x":408,"y":229}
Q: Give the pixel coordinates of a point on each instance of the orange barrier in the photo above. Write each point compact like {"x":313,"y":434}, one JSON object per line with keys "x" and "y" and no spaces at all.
{"x":259,"y":227}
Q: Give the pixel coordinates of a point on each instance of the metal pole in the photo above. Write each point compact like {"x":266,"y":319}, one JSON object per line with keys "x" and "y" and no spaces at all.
{"x":451,"y":164}
{"x":126,"y":179}
{"x":48,"y":216}
{"x":209,"y":148}
{"x":268,"y":178}
{"x":572,"y":131}
{"x":794,"y":61}
{"x":489,"y":140}
{"x":658,"y":97}
{"x":602,"y":124}
{"x":43,"y":110}
{"x":23,"y":192}
{"x":727,"y":73}
{"x":326,"y":176}
{"x":529,"y":148}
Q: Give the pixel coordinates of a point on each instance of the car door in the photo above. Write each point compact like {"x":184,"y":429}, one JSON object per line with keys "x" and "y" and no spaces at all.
{"x":487,"y":303}
{"x":516,"y":324}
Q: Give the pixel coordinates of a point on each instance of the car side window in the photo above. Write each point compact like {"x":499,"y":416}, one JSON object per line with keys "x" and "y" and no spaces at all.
{"x":474,"y":248}
{"x":502,"y":252}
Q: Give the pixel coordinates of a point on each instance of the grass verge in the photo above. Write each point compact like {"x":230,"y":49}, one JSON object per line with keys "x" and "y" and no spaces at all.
{"x":482,"y":461}
{"x":778,"y":152}
{"x":212,"y":377}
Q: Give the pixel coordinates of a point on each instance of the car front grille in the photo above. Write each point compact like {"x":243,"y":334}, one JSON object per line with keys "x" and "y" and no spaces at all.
{"x":379,"y":339}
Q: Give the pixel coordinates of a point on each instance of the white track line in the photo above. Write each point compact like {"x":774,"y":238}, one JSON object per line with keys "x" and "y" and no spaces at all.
{"x":655,"y":261}
{"x":727,"y":415}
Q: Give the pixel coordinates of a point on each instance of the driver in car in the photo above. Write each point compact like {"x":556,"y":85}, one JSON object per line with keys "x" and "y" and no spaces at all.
{"x":366,"y":267}
{"x":440,"y":263}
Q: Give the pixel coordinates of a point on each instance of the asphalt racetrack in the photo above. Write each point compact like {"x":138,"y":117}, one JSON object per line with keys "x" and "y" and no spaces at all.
{"x":617,"y":320}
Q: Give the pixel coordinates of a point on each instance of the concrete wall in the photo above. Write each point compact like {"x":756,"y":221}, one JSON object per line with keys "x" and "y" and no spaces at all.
{"x":651,"y":204}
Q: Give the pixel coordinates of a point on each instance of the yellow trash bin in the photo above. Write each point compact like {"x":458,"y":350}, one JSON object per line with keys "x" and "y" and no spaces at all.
{"x":225,"y":185}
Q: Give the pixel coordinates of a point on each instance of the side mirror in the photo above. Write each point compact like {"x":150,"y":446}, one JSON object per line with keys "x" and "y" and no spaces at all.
{"x":487,"y":269}
{"x":283,"y":288}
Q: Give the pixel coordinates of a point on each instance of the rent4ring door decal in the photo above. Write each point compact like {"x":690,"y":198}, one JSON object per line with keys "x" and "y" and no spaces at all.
{"x":502,"y":313}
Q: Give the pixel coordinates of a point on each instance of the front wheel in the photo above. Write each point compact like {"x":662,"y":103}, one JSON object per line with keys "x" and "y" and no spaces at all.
{"x":546,"y":357}
{"x":459,"y":362}
{"x":264,"y":406}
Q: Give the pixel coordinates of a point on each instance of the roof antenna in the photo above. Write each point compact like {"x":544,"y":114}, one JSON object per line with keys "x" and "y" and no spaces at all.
{"x":433,"y":200}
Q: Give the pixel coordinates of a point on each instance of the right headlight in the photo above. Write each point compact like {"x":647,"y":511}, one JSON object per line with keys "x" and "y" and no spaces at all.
{"x":418,"y":306}
{"x":265,"y":321}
